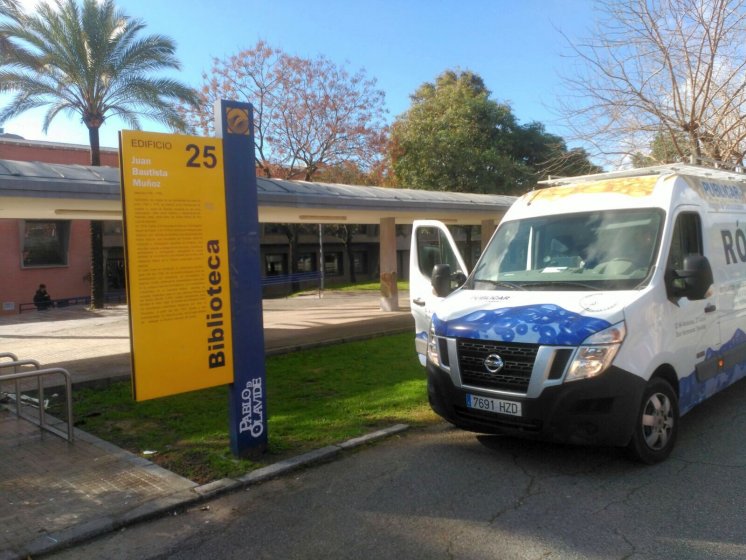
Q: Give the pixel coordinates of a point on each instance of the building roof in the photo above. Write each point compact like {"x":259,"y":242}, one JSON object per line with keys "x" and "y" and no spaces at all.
{"x":34,"y":190}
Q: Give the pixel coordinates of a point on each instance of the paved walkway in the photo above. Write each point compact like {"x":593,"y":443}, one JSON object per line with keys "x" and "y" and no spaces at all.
{"x":53,"y":494}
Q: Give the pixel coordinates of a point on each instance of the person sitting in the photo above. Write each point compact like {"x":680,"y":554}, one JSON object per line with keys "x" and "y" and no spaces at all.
{"x":42,"y":299}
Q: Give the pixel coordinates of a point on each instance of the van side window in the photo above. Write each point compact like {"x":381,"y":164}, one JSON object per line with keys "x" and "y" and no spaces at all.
{"x":433,"y":248}
{"x":687,"y":239}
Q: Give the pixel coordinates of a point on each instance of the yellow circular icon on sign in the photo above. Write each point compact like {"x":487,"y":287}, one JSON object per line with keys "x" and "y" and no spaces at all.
{"x":238,"y":120}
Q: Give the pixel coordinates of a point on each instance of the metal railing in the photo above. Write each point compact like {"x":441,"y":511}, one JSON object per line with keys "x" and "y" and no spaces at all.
{"x":13,"y":358}
{"x":38,"y":374}
{"x":290,"y":278}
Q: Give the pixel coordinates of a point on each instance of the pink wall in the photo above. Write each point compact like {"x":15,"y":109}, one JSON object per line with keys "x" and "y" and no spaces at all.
{"x":17,"y":284}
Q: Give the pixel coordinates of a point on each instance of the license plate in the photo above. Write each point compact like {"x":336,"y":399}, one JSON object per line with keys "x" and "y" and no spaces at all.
{"x":499,"y":406}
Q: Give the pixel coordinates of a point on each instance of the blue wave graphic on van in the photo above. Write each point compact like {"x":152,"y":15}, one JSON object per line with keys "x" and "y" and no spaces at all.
{"x":538,"y":324}
{"x":692,"y":391}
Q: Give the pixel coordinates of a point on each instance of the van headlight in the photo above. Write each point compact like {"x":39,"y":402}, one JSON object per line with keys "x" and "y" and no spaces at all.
{"x":432,"y":346}
{"x":596,"y":353}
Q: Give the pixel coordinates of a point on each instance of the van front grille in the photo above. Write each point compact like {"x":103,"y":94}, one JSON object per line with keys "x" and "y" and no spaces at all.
{"x":518,"y":363}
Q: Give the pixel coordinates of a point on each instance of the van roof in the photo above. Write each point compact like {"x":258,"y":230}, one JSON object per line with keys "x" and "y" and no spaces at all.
{"x":667,"y":169}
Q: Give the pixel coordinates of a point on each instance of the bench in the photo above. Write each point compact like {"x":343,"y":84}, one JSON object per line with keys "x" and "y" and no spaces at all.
{"x":61,"y":302}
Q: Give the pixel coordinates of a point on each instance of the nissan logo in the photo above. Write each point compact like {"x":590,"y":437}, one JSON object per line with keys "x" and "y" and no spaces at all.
{"x":493,"y":363}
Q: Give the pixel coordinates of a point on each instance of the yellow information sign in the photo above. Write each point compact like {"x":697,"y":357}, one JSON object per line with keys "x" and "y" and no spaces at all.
{"x":176,"y":243}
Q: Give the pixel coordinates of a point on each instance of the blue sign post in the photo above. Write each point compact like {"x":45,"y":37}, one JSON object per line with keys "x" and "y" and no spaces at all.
{"x":247,"y":415}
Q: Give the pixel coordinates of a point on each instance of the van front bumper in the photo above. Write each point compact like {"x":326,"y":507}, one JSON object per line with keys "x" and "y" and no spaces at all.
{"x":597,"y":411}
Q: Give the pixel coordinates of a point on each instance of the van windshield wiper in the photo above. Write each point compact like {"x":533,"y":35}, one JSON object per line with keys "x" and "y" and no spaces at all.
{"x":559,"y":284}
{"x":501,"y":284}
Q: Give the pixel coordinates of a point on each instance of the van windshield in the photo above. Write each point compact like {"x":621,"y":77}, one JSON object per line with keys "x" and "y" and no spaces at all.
{"x":606,"y":250}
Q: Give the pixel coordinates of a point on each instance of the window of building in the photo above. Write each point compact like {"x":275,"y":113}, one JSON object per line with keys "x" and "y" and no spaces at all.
{"x":275,"y":264}
{"x":112,"y":227}
{"x":273,"y":229}
{"x":306,"y":262}
{"x":333,"y":264}
{"x":44,"y":242}
{"x":360,"y":262}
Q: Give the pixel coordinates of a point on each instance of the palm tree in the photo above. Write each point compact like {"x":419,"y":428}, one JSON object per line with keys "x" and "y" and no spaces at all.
{"x":7,"y":7}
{"x":87,"y":60}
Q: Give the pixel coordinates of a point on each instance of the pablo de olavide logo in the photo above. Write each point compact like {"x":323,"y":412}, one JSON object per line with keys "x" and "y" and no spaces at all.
{"x":238,"y":120}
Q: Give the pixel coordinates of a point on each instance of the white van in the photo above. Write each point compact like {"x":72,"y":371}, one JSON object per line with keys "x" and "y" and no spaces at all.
{"x":604,"y":307}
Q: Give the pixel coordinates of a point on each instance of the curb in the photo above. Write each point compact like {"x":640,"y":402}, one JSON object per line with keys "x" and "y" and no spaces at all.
{"x":89,"y":530}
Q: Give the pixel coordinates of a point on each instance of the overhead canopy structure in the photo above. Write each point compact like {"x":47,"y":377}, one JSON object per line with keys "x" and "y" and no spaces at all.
{"x":34,"y":190}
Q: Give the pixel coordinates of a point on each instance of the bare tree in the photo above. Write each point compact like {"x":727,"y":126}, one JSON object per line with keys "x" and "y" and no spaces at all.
{"x":309,"y":113}
{"x":675,"y":68}
{"x":251,"y":75}
{"x":328,"y":116}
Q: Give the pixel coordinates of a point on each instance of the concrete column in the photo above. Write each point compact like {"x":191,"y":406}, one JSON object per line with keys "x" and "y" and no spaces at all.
{"x":488,"y":228}
{"x":387,"y":241}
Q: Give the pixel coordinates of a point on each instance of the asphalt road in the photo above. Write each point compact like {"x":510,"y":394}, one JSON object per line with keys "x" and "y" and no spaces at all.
{"x":442,"y":493}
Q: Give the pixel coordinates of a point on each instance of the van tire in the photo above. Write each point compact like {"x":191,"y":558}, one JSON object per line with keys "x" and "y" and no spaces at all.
{"x":656,"y":423}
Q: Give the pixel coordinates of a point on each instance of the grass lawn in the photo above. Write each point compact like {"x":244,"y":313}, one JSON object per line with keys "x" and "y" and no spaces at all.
{"x":314,"y":398}
{"x":402,"y":285}
{"x":368,"y":287}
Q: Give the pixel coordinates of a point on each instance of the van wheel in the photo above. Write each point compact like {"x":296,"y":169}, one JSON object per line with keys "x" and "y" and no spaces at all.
{"x":657,"y":423}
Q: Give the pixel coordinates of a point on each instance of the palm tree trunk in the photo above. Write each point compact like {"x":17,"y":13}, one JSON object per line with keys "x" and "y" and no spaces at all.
{"x":97,"y":234}
{"x":95,"y":146}
{"x":97,"y":264}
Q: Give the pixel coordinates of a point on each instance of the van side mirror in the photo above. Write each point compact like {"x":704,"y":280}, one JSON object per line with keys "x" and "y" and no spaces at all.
{"x":691,"y":282}
{"x":443,"y":281}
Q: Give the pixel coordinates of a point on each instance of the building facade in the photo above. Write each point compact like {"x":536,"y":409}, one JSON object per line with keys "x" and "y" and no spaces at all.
{"x":57,"y":252}
{"x":52,"y":252}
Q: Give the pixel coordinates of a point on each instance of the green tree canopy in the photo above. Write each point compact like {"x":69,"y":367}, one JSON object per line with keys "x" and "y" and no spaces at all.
{"x":666,"y":147}
{"x":546,"y":154}
{"x":450,"y":138}
{"x":455,"y":137}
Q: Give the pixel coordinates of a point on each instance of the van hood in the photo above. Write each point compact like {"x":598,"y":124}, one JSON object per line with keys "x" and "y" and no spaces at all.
{"x":562,"y":318}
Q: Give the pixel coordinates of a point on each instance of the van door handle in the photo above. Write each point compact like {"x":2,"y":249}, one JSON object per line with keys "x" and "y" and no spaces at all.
{"x":710,"y":307}
{"x":419,"y":301}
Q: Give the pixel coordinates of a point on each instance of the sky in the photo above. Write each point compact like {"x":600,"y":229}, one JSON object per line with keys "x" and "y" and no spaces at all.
{"x":516,"y":46}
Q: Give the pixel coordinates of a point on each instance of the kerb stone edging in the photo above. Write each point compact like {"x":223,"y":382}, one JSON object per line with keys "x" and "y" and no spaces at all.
{"x":164,"y":505}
